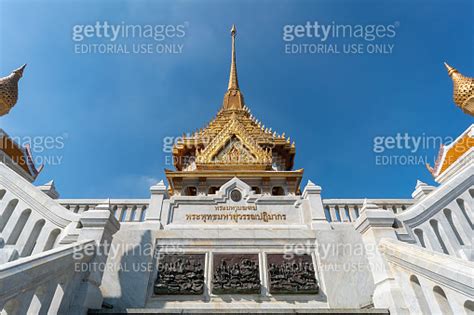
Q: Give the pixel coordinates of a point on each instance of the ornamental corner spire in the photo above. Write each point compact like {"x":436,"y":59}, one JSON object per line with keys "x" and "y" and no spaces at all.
{"x":463,"y":90}
{"x":233,"y":98}
{"x":9,"y":90}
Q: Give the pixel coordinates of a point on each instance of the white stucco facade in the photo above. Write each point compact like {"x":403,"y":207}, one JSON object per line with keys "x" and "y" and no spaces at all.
{"x":400,"y":256}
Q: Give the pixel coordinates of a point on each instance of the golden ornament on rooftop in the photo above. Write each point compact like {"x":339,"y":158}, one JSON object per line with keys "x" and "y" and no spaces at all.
{"x":463,"y":90}
{"x":9,"y":90}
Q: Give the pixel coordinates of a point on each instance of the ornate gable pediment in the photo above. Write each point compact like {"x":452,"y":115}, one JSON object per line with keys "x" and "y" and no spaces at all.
{"x":233,"y":147}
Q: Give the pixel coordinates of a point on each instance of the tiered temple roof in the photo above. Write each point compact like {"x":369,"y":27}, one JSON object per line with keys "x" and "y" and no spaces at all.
{"x":234,"y":140}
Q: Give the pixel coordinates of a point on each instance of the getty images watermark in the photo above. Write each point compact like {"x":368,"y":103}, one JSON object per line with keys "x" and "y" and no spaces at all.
{"x":314,"y":37}
{"x":404,"y":149}
{"x":46,"y":150}
{"x":103,"y":37}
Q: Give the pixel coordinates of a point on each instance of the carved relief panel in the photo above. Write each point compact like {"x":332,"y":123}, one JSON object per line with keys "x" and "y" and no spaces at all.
{"x":236,"y":274}
{"x":291,"y":276}
{"x":180,"y":274}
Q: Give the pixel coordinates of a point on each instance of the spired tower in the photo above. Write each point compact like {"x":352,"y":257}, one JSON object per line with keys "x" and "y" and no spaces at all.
{"x":234,"y":144}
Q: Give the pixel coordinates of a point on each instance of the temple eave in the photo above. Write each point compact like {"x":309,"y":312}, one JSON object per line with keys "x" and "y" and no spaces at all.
{"x":237,"y":173}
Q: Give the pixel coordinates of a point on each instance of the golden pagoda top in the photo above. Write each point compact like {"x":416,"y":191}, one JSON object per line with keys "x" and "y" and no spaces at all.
{"x":234,"y":139}
{"x":463,"y":90}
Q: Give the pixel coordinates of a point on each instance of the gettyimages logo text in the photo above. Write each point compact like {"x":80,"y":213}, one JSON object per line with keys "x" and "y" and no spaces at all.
{"x":103,"y":37}
{"x":314,"y":37}
{"x":403,"y":149}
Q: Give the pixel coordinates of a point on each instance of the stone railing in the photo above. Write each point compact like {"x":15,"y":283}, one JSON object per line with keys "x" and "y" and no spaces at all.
{"x":347,"y":210}
{"x":40,"y":241}
{"x":125,"y":210}
{"x":442,"y":221}
{"x":432,"y":283}
{"x":30,"y":221}
{"x":75,"y":270}
{"x":46,"y":283}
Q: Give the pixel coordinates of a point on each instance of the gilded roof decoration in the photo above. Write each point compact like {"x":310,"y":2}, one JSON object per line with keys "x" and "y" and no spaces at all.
{"x":463,"y":90}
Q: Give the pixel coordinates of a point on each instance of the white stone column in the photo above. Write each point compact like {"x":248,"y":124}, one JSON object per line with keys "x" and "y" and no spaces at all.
{"x":265,"y":282}
{"x":99,"y":225}
{"x":154,"y":211}
{"x":24,"y":301}
{"x":332,"y":213}
{"x":12,"y":222}
{"x":208,"y":267}
{"x":352,"y":213}
{"x":374,"y":224}
{"x":312,"y":193}
{"x":25,"y":234}
{"x":128,"y":215}
{"x":427,"y":288}
{"x":5,"y":201}
{"x":47,"y":297}
{"x":449,"y":238}
{"x":345,"y":215}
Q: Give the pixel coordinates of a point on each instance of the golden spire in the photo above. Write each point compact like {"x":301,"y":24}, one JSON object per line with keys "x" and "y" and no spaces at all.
{"x":233,"y":80}
{"x":233,"y":98}
{"x":463,"y":90}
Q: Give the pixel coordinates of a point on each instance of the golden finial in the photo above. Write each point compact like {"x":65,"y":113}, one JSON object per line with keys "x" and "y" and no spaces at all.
{"x":9,"y":90}
{"x":450,"y":69}
{"x":233,"y":81}
{"x":233,"y":98}
{"x":463,"y":90}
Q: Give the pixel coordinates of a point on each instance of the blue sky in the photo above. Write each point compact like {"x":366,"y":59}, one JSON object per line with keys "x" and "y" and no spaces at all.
{"x":109,"y":113}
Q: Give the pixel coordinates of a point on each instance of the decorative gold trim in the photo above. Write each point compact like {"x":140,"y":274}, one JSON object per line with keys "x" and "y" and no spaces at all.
{"x":233,"y":128}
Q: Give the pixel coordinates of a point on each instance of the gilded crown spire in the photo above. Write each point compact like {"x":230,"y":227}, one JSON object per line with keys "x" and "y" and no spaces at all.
{"x":233,"y":98}
{"x":463,"y":90}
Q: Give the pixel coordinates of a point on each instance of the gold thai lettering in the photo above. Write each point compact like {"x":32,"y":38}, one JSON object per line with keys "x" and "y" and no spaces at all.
{"x":236,"y":217}
{"x":237,"y":208}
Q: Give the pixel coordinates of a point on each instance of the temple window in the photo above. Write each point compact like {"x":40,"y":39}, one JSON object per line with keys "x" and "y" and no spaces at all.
{"x":190,"y":191}
{"x":212,"y":190}
{"x":256,"y":189}
{"x":278,"y":191}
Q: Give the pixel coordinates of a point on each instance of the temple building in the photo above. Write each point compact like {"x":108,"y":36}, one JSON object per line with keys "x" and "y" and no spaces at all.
{"x":234,"y":144}
{"x":234,"y":229}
